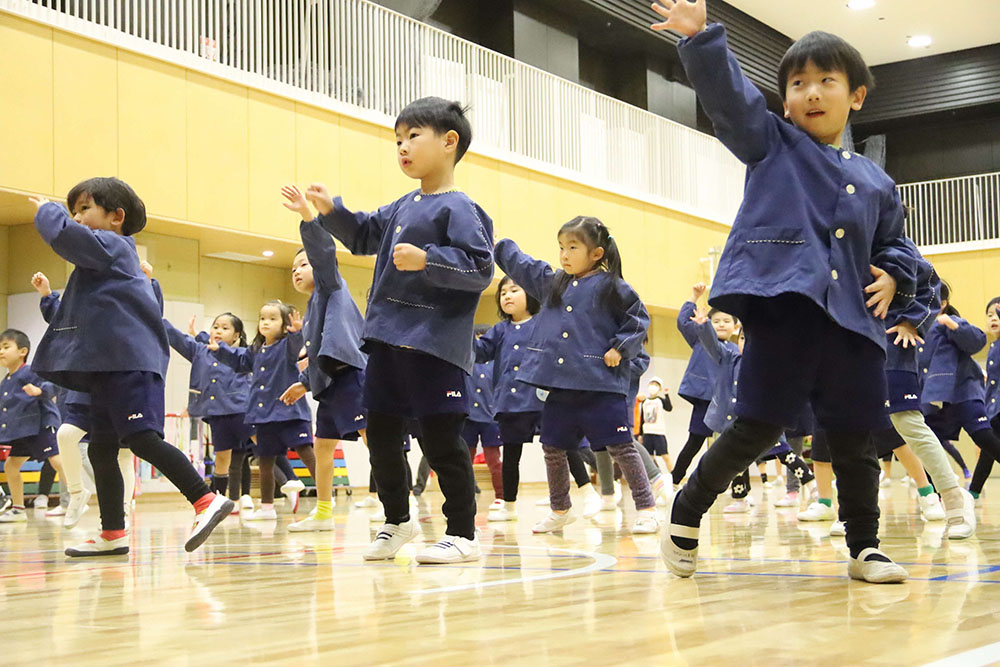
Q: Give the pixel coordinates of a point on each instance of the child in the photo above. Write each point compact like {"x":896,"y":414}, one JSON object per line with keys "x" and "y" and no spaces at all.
{"x":518,"y":408}
{"x":985,"y":465}
{"x":434,"y":258}
{"x":271,"y":362}
{"x":698,"y":382}
{"x":953,"y":391}
{"x":815,"y":223}
{"x":480,"y":427}
{"x":107,"y":339}
{"x":336,"y":371}
{"x":587,"y":307}
{"x":218,"y":396}
{"x":654,"y":421}
{"x":29,"y":418}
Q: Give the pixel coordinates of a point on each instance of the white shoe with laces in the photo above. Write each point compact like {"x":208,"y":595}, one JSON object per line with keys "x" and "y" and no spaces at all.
{"x":646,"y":523}
{"x":389,"y":539}
{"x":41,"y":503}
{"x":870,"y":567}
{"x":554,"y":521}
{"x":496,"y":504}
{"x":930,"y":507}
{"x":76,"y":509}
{"x":451,"y":549}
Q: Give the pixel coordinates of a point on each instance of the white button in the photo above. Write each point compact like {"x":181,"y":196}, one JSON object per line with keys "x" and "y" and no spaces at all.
{"x":735,"y":381}
{"x":925,"y":370}
{"x":399,"y":228}
{"x":993,"y":381}
{"x":834,"y":274}
{"x":730,"y":418}
{"x":569,"y":309}
{"x":308,"y":343}
{"x":850,"y":189}
{"x":565,"y":334}
{"x":3,"y":426}
{"x":214,"y":380}
{"x":475,"y":405}
{"x":516,"y":347}
{"x":847,"y":155}
{"x":517,"y":326}
{"x":575,"y":283}
{"x":417,"y":198}
{"x":262,"y":368}
{"x":513,"y":390}
{"x":5,"y":409}
{"x":734,"y":400}
{"x":517,"y":368}
{"x":920,"y":349}
{"x":482,"y":375}
{"x":262,"y":386}
{"x":214,"y":364}
{"x":479,"y":391}
{"x":211,"y":398}
{"x":839,"y":233}
{"x":260,"y":405}
{"x":560,"y":360}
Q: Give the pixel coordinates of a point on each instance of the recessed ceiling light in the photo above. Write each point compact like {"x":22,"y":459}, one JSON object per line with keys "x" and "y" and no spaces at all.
{"x":860,"y":4}
{"x":268,"y":253}
{"x":919,"y":41}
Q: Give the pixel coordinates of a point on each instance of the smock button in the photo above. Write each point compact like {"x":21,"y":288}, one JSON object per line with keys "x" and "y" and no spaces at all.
{"x":214,"y":380}
{"x":475,"y":405}
{"x":850,"y":189}
{"x":734,"y":400}
{"x":262,"y":386}
{"x":560,"y":360}
{"x":920,"y":349}
{"x":260,"y":405}
{"x":565,"y":334}
{"x":516,"y":347}
{"x":839,"y":233}
{"x":517,"y":368}
{"x":211,"y":398}
{"x":575,"y":283}
{"x":847,"y":155}
{"x":262,"y":368}
{"x":925,"y":370}
{"x":729,"y":418}
{"x":479,"y":391}
{"x":482,"y":375}
{"x":513,"y":390}
{"x":834,"y":274}
{"x":308,"y":343}
{"x":399,"y":228}
{"x":214,"y":364}
{"x":569,"y":309}
{"x":517,"y":326}
{"x":417,"y":198}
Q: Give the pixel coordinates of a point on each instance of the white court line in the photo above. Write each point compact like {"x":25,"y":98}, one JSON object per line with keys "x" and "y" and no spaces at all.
{"x":977,"y":657}
{"x":601,"y":561}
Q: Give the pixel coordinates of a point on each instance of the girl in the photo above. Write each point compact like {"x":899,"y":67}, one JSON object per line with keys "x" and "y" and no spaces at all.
{"x":218,"y":396}
{"x":588,"y":306}
{"x":953,"y":393}
{"x":271,"y":362}
{"x":985,"y":465}
{"x":518,"y":408}
{"x":480,"y":427}
{"x":698,"y":382}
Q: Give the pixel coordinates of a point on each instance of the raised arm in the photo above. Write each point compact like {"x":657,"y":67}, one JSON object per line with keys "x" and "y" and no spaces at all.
{"x":321,"y":250}
{"x":710,"y":341}
{"x":968,"y":338}
{"x":240,"y":359}
{"x":185,"y":345}
{"x":533,"y":275}
{"x":360,"y":232}
{"x":71,"y":241}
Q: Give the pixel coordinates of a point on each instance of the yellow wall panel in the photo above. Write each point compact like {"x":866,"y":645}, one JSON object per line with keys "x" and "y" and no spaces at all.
{"x":85,"y":113}
{"x":317,"y":148}
{"x":29,"y":253}
{"x":974,"y":278}
{"x":482,"y":176}
{"x":217,"y":153}
{"x":152,"y":154}
{"x":272,"y":146}
{"x":26,"y":95}
{"x":4,"y":254}
{"x":359,"y":172}
{"x":175,"y":265}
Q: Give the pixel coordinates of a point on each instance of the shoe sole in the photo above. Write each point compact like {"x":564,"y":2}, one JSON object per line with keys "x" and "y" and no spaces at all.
{"x":292,"y":529}
{"x":73,"y":553}
{"x":430,"y":560}
{"x":199,"y":538}
{"x":896,"y":578}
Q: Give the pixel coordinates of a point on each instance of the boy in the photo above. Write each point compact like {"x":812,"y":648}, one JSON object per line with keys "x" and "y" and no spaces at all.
{"x":28,"y":418}
{"x":800,"y":260}
{"x":107,"y":339}
{"x":654,"y":421}
{"x":434,"y":258}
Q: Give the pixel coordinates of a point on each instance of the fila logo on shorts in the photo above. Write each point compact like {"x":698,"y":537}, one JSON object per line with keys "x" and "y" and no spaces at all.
{"x":303,"y":435}
{"x":134,"y":416}
{"x":623,"y":429}
{"x":911,"y":397}
{"x":359,"y":418}
{"x":453,"y":394}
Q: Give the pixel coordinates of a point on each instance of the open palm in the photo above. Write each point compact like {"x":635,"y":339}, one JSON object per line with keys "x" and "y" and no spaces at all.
{"x":687,"y":18}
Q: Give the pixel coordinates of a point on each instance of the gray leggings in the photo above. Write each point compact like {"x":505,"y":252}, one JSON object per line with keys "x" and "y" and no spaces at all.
{"x":627,"y":458}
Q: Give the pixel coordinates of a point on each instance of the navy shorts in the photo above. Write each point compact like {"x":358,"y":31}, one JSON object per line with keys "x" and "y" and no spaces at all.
{"x":412,"y":384}
{"x":886,"y":440}
{"x":697,"y":425}
{"x":796,"y":355}
{"x":125,"y":403}
{"x":570,"y":416}
{"x":341,"y":412}
{"x":904,"y":391}
{"x":38,"y":447}
{"x":276,"y":438}
{"x":779,"y":450}
{"x":229,"y":432}
{"x":519,"y":427}
{"x":950,"y":419}
{"x":76,"y":415}
{"x":655,"y":444}
{"x":487,"y":433}
{"x":820,"y":448}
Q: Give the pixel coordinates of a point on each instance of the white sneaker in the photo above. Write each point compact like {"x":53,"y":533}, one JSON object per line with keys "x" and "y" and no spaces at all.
{"x":930,"y":507}
{"x":293,"y":486}
{"x":206,"y":521}
{"x":962,"y":521}
{"x":883,"y":481}
{"x":390,"y":539}
{"x":5,"y":502}
{"x":246,"y":503}
{"x":77,"y":506}
{"x":292,"y":501}
{"x":311,"y":524}
{"x":370,"y":501}
{"x":591,"y":501}
{"x":98,"y":546}
{"x":790,"y":499}
{"x":377,"y":517}
{"x":838,"y":529}
{"x":14,"y":516}
{"x":262,"y":515}
{"x":608,"y":504}
{"x":542,"y":502}
{"x":502,"y":514}
{"x":681,"y":562}
{"x":41,"y":503}
{"x":496,"y":504}
{"x":818,"y":511}
{"x":646,"y":523}
{"x":554,"y":521}
{"x":874,"y":571}
{"x":58,"y":510}
{"x":740,"y":506}
{"x":451,"y":549}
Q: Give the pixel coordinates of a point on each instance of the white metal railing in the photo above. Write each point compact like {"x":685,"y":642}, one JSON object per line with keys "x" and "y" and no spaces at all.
{"x":954,"y":213}
{"x":360,"y":58}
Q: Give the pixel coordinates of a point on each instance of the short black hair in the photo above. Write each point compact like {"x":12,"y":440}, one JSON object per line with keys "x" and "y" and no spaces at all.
{"x":828,"y":52}
{"x":19,"y":337}
{"x":995,"y":301}
{"x":713,"y":311}
{"x":441,"y":116}
{"x":112,"y":194}
{"x":530,"y":302}
{"x":946,"y":296}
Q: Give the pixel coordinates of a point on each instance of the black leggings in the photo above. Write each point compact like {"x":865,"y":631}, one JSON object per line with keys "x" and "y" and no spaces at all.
{"x":46,"y":478}
{"x":955,"y":454}
{"x":148,"y":446}
{"x":577,"y":468}
{"x":691,"y":447}
{"x":511,"y":469}
{"x":985,"y":439}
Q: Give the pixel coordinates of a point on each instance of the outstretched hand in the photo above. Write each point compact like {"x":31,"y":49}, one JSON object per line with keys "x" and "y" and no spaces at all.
{"x":700,"y":316}
{"x":319,"y":196}
{"x":191,"y":322}
{"x":38,"y":201}
{"x":906,"y":334}
{"x":295,"y":322}
{"x":296,"y":201}
{"x":687,"y":18}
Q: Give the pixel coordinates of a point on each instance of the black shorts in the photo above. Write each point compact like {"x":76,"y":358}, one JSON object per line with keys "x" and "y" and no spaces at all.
{"x":519,"y":427}
{"x":37,"y":447}
{"x":655,"y":444}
